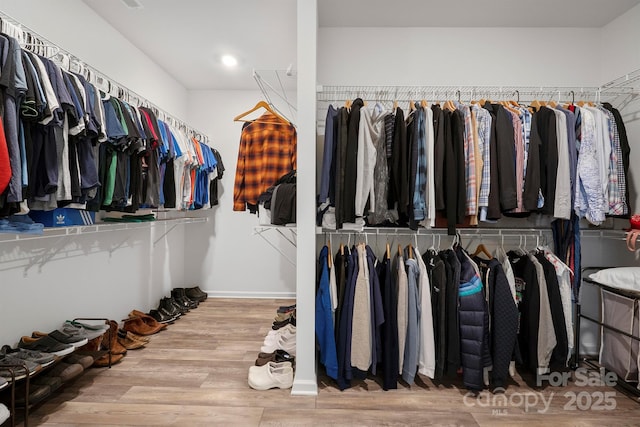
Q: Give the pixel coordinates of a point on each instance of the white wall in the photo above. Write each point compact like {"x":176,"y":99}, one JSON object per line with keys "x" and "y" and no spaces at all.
{"x":620,"y":55}
{"x":224,"y":256}
{"x":458,"y":56}
{"x":96,"y":275}
{"x":77,"y":29}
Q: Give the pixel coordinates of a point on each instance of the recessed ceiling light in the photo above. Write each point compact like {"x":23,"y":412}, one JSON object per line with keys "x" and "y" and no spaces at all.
{"x":229,"y":61}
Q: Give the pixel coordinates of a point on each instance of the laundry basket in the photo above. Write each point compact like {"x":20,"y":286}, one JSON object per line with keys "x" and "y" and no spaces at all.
{"x":621,"y":310}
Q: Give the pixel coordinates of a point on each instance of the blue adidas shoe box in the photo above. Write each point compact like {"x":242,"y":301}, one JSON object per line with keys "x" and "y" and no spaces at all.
{"x":63,"y":217}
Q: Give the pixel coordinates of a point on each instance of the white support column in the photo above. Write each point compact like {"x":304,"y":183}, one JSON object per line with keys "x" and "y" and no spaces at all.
{"x":305,"y":382}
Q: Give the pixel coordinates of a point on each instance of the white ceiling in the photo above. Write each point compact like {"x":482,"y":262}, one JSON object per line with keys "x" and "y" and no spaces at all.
{"x":187,"y":37}
{"x":471,"y":13}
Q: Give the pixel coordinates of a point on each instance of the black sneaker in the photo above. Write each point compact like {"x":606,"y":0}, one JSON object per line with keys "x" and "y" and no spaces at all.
{"x":46,"y":344}
{"x":63,"y":337}
{"x":161,"y":317}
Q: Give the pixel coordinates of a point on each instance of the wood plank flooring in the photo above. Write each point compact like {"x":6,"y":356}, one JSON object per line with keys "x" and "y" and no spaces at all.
{"x":195,"y":373}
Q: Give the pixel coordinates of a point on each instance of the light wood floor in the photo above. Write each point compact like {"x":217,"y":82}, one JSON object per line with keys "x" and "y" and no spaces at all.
{"x":195,"y":373}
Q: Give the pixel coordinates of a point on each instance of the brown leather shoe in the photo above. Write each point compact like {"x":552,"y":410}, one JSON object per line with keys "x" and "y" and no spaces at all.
{"x":136,"y":337}
{"x":112,"y":334}
{"x":103,"y":361}
{"x":93,"y":345}
{"x":128,"y":342}
{"x":146,"y":319}
{"x":138,"y":326}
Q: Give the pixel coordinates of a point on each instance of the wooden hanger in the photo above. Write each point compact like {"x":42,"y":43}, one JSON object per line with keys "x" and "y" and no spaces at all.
{"x":411,"y":252}
{"x":329,"y":258}
{"x":342,"y":249}
{"x":260,"y":104}
{"x":395,"y":105}
{"x":424,"y":103}
{"x":388,"y":251}
{"x":412,"y":105}
{"x":482,"y":249}
{"x":399,"y":250}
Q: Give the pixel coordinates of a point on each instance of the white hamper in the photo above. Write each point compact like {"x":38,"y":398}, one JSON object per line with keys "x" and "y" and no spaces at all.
{"x":619,"y":353}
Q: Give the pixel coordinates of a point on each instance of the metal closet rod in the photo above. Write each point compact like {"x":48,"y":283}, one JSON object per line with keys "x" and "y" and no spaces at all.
{"x":502,"y":232}
{"x":39,"y":42}
{"x":408,"y":93}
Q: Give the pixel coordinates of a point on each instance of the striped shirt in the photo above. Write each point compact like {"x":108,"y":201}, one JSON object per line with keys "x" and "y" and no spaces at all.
{"x":483,"y":117}
{"x":267,"y":151}
{"x":469,"y":162}
{"x":616,"y":190}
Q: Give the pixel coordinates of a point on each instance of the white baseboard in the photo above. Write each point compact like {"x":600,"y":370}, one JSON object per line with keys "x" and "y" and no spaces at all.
{"x":304,"y":388}
{"x":251,"y":294}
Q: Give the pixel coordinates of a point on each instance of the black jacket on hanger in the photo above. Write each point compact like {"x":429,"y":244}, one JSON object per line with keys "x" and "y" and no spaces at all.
{"x":624,"y":146}
{"x":398,"y":189}
{"x":351,"y":162}
{"x":438,"y":281}
{"x":546,"y":125}
{"x":452,"y":328}
{"x":503,"y":312}
{"x":525,"y":273}
{"x":340,"y":161}
{"x":438,"y":167}
{"x":389,"y":332}
{"x":532,"y":180}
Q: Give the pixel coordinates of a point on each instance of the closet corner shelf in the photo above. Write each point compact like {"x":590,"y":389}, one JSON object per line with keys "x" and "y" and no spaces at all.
{"x":288,"y":232}
{"x":101,"y":227}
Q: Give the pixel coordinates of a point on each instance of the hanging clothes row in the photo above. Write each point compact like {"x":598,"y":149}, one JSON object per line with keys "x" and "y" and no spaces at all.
{"x":434,"y":313}
{"x":470,"y":163}
{"x":65,"y":143}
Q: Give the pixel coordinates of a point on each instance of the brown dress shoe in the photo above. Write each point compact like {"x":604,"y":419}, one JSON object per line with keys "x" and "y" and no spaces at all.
{"x":103,"y":361}
{"x":146,"y":319}
{"x":138,"y":326}
{"x":128,"y":342}
{"x":136,"y":337}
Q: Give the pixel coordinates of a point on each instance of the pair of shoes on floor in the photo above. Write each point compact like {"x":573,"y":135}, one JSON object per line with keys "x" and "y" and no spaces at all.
{"x":42,"y":386}
{"x":162,"y":316}
{"x":171,"y":307}
{"x":142,"y":324}
{"x":280,"y":317}
{"x":131,"y":341}
{"x":290,"y":320}
{"x":281,"y":339}
{"x":196,"y":294}
{"x":277,"y":356}
{"x":180,"y":296}
{"x":271,"y":375}
{"x":286,"y":308}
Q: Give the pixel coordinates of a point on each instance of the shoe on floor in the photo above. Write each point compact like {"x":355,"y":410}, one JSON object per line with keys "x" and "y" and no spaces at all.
{"x":122,"y":333}
{"x":3,"y":383}
{"x":46,"y":344}
{"x":127,"y":340}
{"x":103,"y":361}
{"x":196,"y":294}
{"x":139,"y":327}
{"x":286,"y":308}
{"x":53,"y":382}
{"x":277,"y":356}
{"x":110,"y":340}
{"x":271,"y":375}
{"x":161,"y":317}
{"x":274,"y":343}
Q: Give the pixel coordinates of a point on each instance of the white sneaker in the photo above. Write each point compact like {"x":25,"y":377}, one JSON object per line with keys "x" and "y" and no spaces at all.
{"x":271,"y":375}
{"x":289,"y":329}
{"x":283,"y":342}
